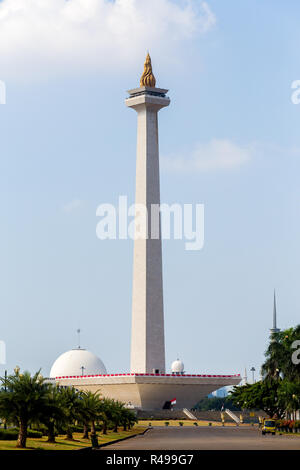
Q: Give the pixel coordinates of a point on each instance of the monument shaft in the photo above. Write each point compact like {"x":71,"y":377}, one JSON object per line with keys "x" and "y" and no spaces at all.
{"x":141,"y":389}
{"x":147,"y":337}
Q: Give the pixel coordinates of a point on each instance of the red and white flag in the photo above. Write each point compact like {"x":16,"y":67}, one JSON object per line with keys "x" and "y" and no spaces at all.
{"x":173,"y":402}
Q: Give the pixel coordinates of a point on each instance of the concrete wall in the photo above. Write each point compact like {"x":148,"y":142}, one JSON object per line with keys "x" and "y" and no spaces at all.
{"x":150,"y":393}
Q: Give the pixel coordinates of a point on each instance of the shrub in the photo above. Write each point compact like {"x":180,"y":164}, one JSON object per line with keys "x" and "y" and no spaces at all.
{"x":285,"y":425}
{"x":42,"y":429}
{"x":167,"y":423}
{"x":33,"y":433}
{"x":12,"y":434}
{"x":180,"y":423}
{"x":195,"y":424}
{"x":8,"y":434}
{"x":77,"y":428}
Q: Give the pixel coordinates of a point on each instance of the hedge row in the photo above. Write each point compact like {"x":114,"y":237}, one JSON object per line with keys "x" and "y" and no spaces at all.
{"x":12,"y":434}
{"x":288,"y":425}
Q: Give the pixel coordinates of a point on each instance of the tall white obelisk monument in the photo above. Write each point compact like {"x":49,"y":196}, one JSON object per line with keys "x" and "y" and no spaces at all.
{"x":147,"y":337}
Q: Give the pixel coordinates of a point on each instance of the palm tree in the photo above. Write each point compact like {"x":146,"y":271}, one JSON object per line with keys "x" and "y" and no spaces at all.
{"x":22,"y":399}
{"x":53,"y":412}
{"x":116,"y":412}
{"x":128,"y":418}
{"x":90,"y":410}
{"x":119,"y":414}
{"x":71,"y":403}
{"x":105,"y":413}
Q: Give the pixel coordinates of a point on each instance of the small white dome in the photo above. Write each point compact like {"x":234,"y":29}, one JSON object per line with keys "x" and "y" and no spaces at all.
{"x":77,"y":362}
{"x":177,"y":367}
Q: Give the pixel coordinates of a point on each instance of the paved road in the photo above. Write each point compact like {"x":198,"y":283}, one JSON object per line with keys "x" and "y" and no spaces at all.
{"x":207,"y":438}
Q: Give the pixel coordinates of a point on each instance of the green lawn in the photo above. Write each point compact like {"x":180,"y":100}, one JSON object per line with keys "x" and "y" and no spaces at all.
{"x":63,"y":444}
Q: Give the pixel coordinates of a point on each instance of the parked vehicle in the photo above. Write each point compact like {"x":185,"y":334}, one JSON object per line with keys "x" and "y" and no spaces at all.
{"x":268,"y":427}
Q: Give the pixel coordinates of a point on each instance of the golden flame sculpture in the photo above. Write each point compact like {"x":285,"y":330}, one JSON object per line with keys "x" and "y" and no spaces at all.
{"x":148,"y":79}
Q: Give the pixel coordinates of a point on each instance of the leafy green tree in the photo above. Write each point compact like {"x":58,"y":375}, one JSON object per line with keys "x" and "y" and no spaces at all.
{"x":279,"y":354}
{"x":263,"y":395}
{"x":216,"y":403}
{"x":289,"y":396}
{"x":279,"y":391}
{"x":21,"y":400}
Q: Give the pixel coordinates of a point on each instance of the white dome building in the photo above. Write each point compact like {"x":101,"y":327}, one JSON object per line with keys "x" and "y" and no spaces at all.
{"x":177,"y":367}
{"x":77,"y":362}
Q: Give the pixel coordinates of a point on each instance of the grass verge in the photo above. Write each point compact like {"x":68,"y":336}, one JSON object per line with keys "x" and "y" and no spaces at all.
{"x":64,"y":444}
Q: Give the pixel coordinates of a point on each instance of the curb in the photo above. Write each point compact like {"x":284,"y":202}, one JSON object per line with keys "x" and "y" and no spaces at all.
{"x":114,"y":442}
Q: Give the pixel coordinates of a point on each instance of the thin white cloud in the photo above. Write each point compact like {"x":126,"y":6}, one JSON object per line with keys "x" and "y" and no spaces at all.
{"x":72,"y":206}
{"x":40,"y":37}
{"x":215,"y":155}
{"x":209,"y":20}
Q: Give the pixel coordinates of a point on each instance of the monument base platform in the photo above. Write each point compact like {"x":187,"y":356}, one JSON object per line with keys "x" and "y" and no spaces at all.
{"x":152,"y":391}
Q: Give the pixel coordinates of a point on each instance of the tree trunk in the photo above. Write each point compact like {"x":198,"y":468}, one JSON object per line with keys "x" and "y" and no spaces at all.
{"x":22,"y":434}
{"x":51,"y":433}
{"x":124,"y":427}
{"x":104,"y":431}
{"x":69,"y":434}
{"x":93,"y":428}
{"x":85,"y":431}
{"x":116,"y":427}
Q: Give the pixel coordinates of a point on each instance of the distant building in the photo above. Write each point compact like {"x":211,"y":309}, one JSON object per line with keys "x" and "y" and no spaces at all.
{"x":221,"y":393}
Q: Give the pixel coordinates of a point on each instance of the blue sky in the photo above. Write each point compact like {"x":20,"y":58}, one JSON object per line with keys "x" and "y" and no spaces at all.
{"x":68,"y":145}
